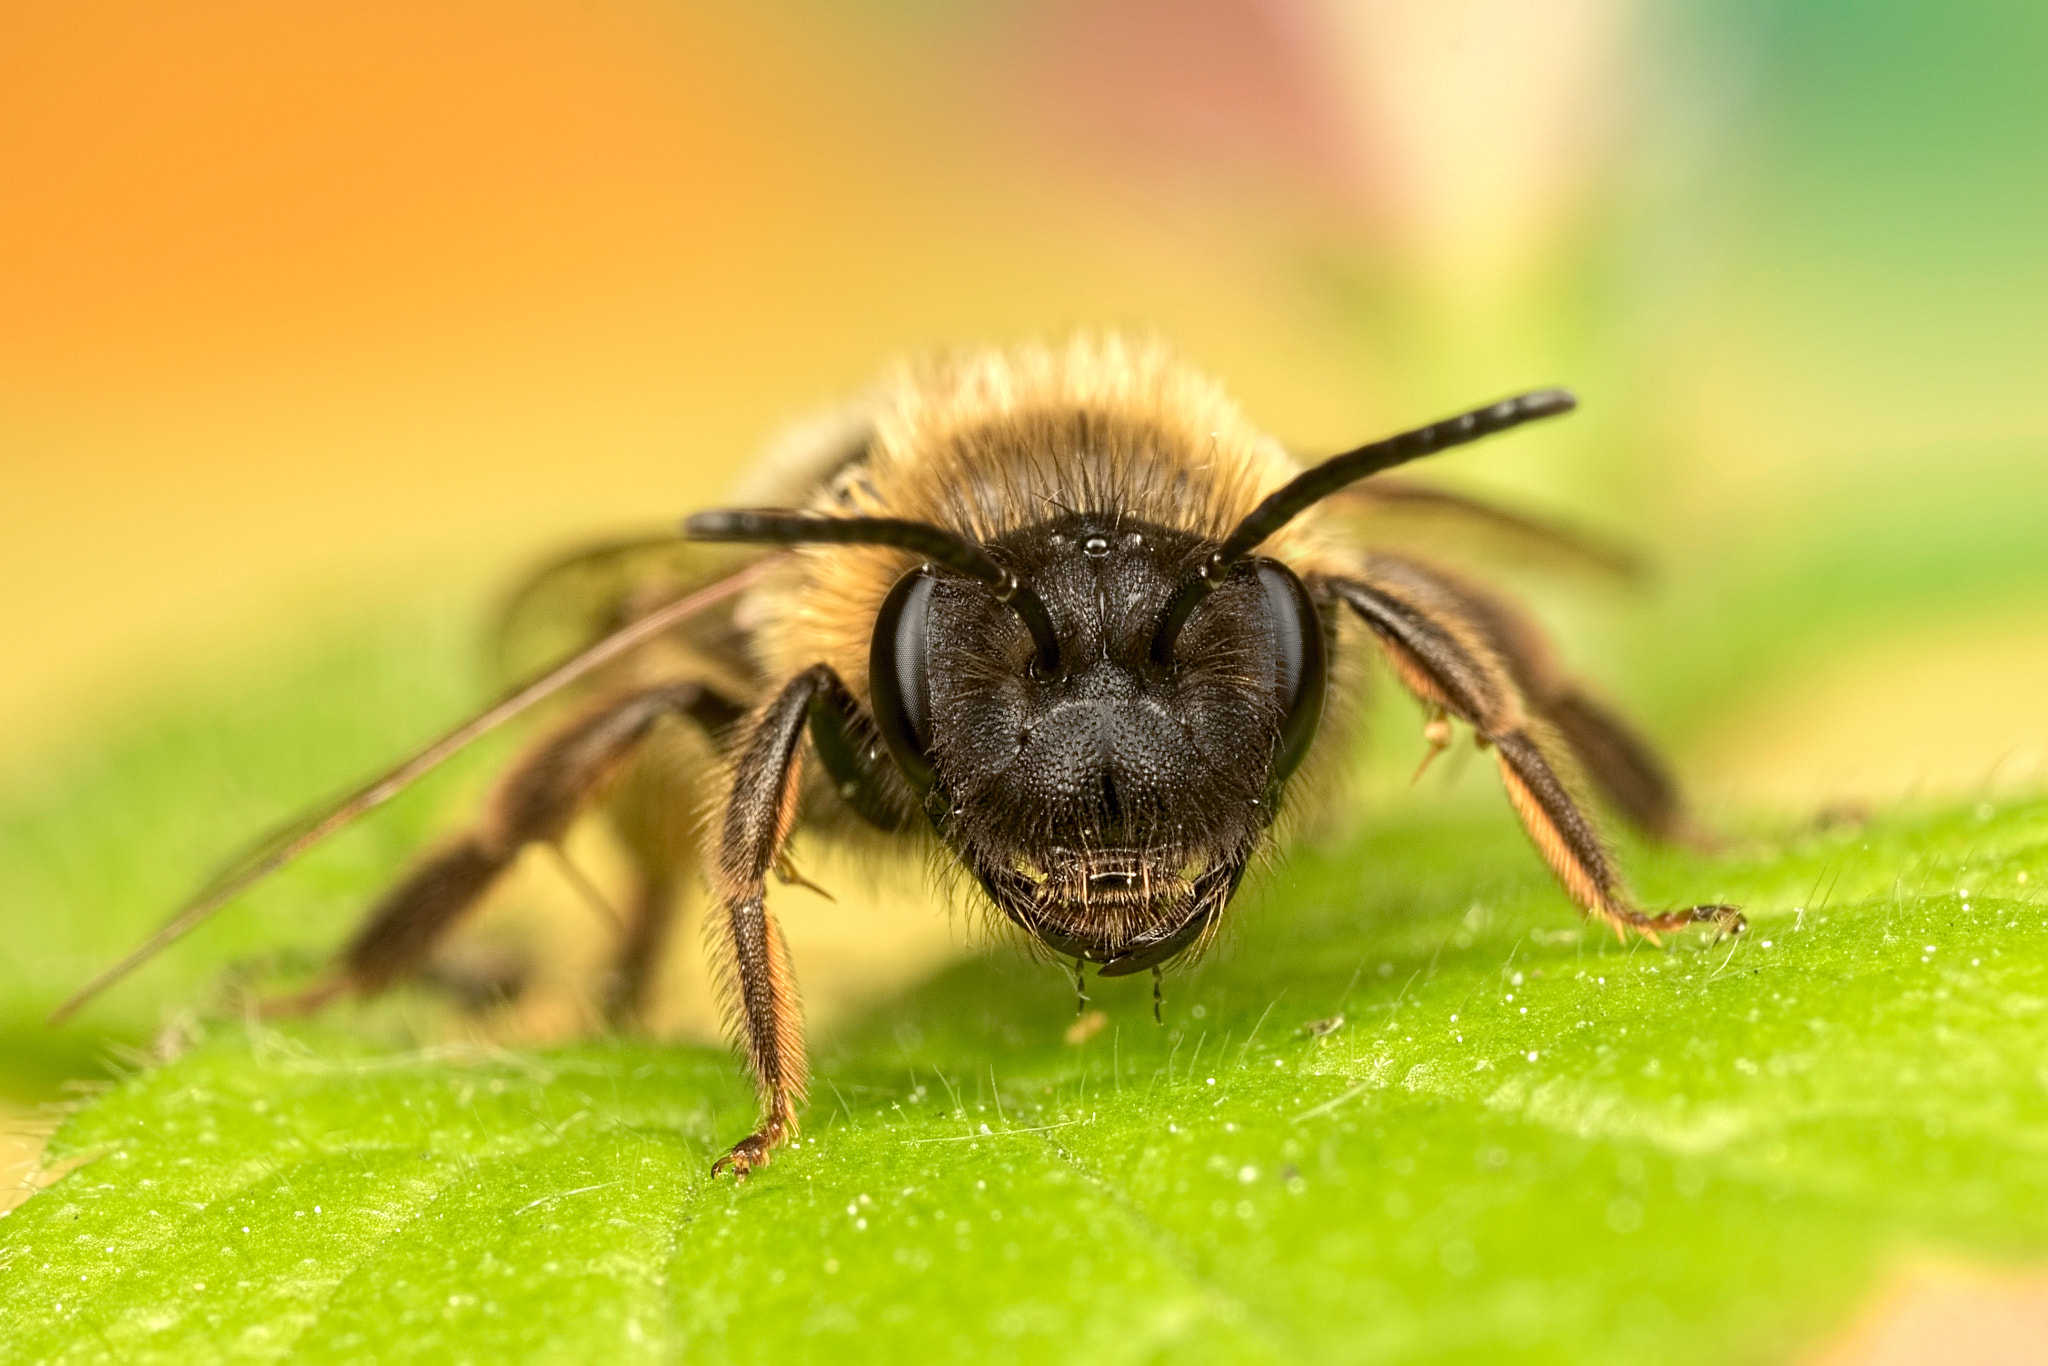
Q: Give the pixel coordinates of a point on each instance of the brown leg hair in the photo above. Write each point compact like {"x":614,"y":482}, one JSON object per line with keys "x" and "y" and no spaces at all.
{"x":534,"y":803}
{"x":1449,"y":659}
{"x":760,"y":991}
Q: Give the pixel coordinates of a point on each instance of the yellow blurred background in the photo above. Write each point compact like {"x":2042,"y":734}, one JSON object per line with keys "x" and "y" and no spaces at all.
{"x":304,"y":305}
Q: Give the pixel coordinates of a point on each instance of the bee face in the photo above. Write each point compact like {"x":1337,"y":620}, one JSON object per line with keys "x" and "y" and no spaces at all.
{"x":1109,"y":805}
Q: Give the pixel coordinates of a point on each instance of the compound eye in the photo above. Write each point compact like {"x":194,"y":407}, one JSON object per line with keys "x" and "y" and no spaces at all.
{"x":1299,"y":675}
{"x":899,"y":679}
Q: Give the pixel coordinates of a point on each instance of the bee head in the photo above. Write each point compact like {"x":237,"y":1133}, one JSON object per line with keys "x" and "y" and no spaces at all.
{"x":1107,"y":793}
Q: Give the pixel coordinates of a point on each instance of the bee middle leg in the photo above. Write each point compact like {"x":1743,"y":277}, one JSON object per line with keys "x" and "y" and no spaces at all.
{"x":655,"y":810}
{"x":535,"y":802}
{"x":1444,"y":656}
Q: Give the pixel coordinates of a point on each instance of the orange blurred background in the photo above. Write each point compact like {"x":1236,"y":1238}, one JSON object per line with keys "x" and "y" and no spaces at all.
{"x":302,"y":297}
{"x":317,"y":303}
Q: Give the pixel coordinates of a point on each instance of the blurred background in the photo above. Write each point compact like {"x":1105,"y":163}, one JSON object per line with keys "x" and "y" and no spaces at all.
{"x":318,"y":323}
{"x":324,"y":303}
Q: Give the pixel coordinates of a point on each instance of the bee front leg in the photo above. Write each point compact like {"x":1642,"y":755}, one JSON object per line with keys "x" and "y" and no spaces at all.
{"x":761,"y":997}
{"x":1622,"y":765}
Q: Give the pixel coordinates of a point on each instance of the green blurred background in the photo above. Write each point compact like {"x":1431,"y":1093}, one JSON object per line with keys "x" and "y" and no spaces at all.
{"x":318,"y":323}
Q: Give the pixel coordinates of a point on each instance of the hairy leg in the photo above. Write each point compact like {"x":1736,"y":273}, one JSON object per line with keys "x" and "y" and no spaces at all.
{"x":535,"y":802}
{"x":1447,"y":659}
{"x":759,"y":989}
{"x":1619,"y":761}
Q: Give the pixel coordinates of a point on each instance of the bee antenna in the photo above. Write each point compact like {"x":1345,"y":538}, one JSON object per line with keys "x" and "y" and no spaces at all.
{"x":1313,"y":485}
{"x":775,"y":526}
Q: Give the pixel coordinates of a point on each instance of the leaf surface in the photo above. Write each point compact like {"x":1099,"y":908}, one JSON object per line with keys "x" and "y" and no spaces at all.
{"x":1523,"y":1142}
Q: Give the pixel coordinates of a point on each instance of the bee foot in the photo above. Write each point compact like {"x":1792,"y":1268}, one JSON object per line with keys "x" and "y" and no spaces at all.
{"x":1728,"y":920}
{"x":755,"y":1150}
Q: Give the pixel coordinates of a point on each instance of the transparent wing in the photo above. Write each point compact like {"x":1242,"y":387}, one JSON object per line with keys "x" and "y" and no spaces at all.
{"x":584,"y":594}
{"x":1402,"y":514}
{"x":286,"y":843}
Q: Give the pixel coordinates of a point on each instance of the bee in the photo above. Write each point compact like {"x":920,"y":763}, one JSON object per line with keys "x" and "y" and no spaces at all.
{"x":1060,"y":619}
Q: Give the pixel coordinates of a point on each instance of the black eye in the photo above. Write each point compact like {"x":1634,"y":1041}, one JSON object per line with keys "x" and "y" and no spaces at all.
{"x":898,"y":680}
{"x":1298,"y":673}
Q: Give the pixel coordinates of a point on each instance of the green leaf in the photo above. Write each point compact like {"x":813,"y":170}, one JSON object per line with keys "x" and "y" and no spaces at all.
{"x":1524,"y":1142}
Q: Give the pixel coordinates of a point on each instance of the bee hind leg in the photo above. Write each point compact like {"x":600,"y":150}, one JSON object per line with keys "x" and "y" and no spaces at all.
{"x":535,"y":802}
